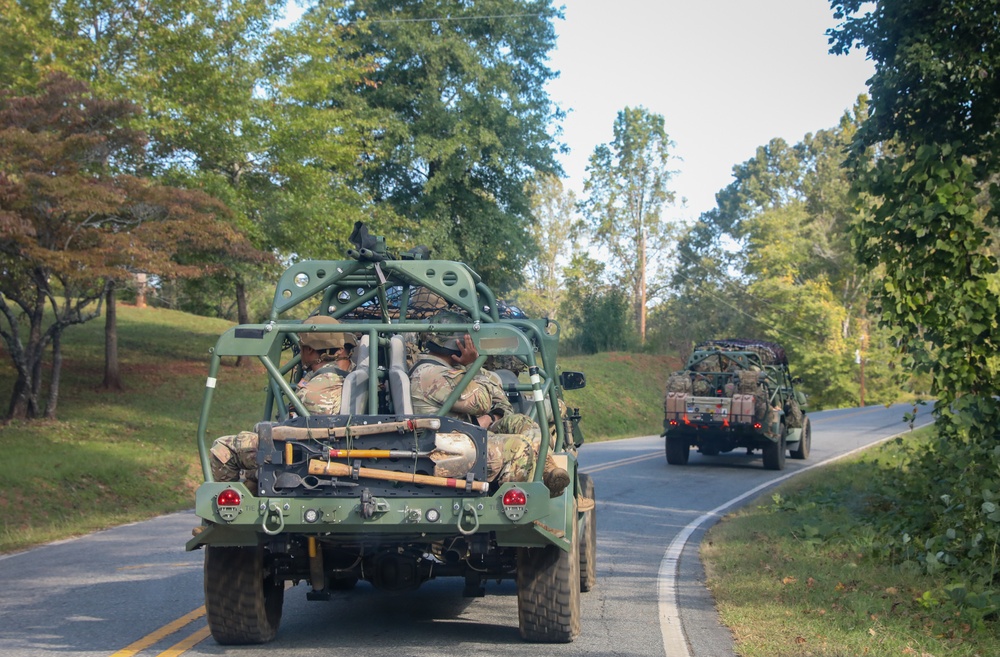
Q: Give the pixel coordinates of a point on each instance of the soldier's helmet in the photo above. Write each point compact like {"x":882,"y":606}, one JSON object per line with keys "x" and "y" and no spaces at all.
{"x":445,"y":342}
{"x":323,"y":341}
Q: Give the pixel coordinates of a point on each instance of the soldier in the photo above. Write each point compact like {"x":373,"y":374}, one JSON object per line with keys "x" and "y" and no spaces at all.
{"x":513,"y":439}
{"x":327,"y":357}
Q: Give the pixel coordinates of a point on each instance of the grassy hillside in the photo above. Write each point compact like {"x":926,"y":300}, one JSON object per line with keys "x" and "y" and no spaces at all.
{"x":119,"y":457}
{"x":624,"y":393}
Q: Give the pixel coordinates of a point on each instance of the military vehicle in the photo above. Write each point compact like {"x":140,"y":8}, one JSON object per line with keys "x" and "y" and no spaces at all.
{"x":736,"y":394}
{"x":372,"y":494}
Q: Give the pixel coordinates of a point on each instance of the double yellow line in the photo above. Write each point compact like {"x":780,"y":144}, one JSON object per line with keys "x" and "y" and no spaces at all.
{"x":178,"y":648}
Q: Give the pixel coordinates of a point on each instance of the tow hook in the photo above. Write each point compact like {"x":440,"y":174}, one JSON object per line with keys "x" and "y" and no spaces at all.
{"x":468,"y":510}
{"x":273,"y":511}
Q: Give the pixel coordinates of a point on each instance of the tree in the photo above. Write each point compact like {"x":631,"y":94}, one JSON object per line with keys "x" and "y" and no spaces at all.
{"x":553,"y":209}
{"x":929,"y":214}
{"x":930,"y":200}
{"x":626,"y":188}
{"x":466,"y":121}
{"x":597,"y":311}
{"x":70,"y":223}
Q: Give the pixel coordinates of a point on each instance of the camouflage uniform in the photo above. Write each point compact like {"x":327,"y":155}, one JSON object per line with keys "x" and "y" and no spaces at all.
{"x":319,"y":391}
{"x":512,"y":440}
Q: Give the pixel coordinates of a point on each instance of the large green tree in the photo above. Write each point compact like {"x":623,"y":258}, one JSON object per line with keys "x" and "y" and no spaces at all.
{"x":626,"y":187}
{"x":466,"y":121}
{"x":930,"y":197}
{"x":930,"y":211}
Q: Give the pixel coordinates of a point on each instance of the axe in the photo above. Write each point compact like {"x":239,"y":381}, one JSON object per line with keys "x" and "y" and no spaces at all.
{"x":320,"y":467}
{"x":453,"y":455}
{"x":318,"y":433}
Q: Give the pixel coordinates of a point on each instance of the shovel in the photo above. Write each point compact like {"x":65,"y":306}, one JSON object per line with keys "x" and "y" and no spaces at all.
{"x":454,"y":454}
{"x":320,"y":467}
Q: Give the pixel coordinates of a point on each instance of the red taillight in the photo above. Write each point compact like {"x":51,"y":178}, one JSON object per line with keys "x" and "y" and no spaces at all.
{"x":515,"y":497}
{"x":229,"y":497}
{"x":757,"y":425}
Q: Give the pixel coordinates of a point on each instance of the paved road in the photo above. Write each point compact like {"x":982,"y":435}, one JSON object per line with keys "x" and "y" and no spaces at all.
{"x":133,"y":590}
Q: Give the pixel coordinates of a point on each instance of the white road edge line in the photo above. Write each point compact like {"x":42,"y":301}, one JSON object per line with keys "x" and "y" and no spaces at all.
{"x":674,"y":642}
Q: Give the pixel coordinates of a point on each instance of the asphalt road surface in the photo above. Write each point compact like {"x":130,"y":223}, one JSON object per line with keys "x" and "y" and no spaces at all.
{"x":134,"y":591}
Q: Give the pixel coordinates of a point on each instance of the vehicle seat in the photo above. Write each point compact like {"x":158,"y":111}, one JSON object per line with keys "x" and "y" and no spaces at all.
{"x":399,"y":378}
{"x":354,"y":397}
{"x":520,"y":401}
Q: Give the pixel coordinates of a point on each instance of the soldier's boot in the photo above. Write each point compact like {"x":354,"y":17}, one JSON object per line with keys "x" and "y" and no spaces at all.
{"x":584,"y":504}
{"x":556,"y":479}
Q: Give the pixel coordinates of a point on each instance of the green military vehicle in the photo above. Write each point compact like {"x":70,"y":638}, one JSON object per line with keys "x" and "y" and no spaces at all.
{"x":736,"y":394}
{"x":355,"y":496}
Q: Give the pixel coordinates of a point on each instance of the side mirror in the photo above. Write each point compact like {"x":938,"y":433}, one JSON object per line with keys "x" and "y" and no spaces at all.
{"x":572,"y":380}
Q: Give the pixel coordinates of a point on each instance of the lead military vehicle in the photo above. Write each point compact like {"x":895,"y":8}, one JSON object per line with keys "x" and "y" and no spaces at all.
{"x":736,"y":394}
{"x":361,"y":495}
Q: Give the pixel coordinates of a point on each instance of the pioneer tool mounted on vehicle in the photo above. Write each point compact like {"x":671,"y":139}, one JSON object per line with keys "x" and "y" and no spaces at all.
{"x":732,"y":394}
{"x":378,"y":493}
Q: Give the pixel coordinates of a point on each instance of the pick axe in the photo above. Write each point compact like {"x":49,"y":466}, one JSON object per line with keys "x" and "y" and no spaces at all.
{"x":315,"y":433}
{"x":454,"y":454}
{"x":320,"y":467}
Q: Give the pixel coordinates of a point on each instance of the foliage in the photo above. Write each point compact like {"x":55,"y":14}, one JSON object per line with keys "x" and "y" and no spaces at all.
{"x":552,"y":206}
{"x":596,"y":312}
{"x":823,"y":549}
{"x":929,"y":221}
{"x":773,"y":260}
{"x":466,"y":121}
{"x":626,"y":189}
{"x":63,"y":236}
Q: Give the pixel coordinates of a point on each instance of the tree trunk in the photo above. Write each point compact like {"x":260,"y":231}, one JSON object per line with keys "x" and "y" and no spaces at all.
{"x":642,"y":288}
{"x":53,"y":401}
{"x":112,"y":373}
{"x":19,"y":400}
{"x":242,"y":315}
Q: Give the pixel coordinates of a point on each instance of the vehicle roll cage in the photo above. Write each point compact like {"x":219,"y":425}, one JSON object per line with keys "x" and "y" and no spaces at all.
{"x":373,"y":300}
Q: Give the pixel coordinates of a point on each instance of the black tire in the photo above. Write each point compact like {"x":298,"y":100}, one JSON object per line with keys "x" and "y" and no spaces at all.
{"x":774,"y":453}
{"x":548,"y":592}
{"x":588,"y":538}
{"x":678,"y":450}
{"x":242,"y":601}
{"x":805,"y":442}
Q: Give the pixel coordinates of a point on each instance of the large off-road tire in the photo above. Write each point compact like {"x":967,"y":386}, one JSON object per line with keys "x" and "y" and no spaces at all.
{"x":678,"y":450}
{"x":548,"y":592}
{"x":805,"y":442}
{"x":242,"y":601}
{"x":774,"y":453}
{"x":588,"y":538}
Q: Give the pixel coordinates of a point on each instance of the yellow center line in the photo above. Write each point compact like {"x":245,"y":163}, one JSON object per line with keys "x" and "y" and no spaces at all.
{"x":183,"y":646}
{"x":166,"y":630}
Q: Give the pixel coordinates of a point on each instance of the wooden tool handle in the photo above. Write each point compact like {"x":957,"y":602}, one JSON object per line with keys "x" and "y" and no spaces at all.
{"x":320,"y":467}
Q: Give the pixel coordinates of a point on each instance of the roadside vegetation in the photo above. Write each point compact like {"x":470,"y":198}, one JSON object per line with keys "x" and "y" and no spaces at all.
{"x":824,"y":566}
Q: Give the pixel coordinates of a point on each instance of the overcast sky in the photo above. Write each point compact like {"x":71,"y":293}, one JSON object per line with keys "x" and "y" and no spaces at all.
{"x":727,"y":76}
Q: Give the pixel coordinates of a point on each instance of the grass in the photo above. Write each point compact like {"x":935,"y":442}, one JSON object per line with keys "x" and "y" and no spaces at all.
{"x":794,"y":574}
{"x":115,"y":457}
{"x":624,"y":393}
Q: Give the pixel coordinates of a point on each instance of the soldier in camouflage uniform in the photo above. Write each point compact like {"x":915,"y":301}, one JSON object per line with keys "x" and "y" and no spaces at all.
{"x":327,"y":357}
{"x":513,"y":438}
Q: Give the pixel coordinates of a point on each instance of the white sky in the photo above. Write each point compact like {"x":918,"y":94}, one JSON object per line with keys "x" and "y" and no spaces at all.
{"x":727,"y":76}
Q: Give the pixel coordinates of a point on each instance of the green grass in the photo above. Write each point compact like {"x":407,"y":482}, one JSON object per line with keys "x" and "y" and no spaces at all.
{"x":797,"y":573}
{"x":114,"y":457}
{"x":624,"y":393}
